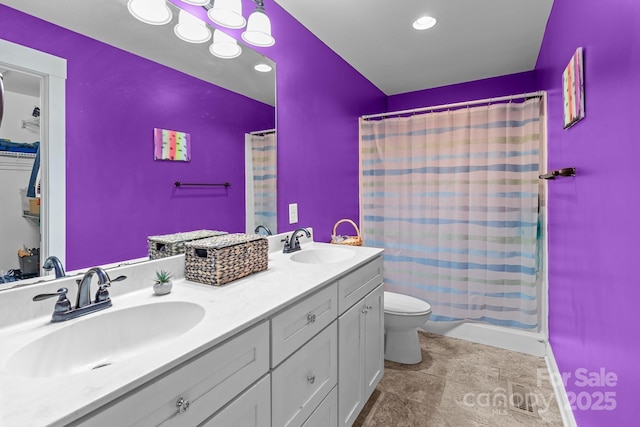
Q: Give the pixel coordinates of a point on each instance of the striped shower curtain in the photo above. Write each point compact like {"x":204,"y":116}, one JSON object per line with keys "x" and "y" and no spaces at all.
{"x":264,"y":164}
{"x":452,"y":197}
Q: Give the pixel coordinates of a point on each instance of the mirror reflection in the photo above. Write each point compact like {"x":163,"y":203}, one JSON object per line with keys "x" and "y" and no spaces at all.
{"x":19,"y":175}
{"x":116,"y":194}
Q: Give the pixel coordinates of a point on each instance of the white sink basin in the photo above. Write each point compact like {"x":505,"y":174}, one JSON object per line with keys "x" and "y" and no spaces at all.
{"x":104,"y":338}
{"x":322,"y":255}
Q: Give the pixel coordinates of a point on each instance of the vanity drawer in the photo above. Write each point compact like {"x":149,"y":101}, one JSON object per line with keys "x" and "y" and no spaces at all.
{"x":325,"y":415}
{"x":355,"y":286}
{"x":301,"y":383}
{"x":251,"y":409}
{"x":207,"y":382}
{"x":296,"y":325}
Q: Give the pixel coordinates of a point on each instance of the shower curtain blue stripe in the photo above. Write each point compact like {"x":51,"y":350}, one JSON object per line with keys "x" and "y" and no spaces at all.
{"x":453,"y":198}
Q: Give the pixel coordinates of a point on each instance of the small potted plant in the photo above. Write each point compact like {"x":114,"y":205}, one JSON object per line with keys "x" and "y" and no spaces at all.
{"x":162,"y":283}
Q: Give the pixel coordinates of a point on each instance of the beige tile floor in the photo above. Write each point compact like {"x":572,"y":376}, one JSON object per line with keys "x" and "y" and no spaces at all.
{"x":459,"y":384}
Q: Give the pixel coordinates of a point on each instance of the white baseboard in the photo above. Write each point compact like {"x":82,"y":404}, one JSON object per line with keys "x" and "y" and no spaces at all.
{"x":568,"y":420}
{"x":533,"y":343}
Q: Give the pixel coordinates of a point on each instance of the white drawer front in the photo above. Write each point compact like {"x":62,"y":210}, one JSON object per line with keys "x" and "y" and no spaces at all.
{"x":354,"y":286}
{"x":295,"y":326}
{"x":325,"y":415}
{"x":251,"y":409}
{"x":208,"y":382}
{"x":303,"y":380}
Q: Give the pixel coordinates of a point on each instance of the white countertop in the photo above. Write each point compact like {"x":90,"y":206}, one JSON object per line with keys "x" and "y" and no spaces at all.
{"x":229,"y":309}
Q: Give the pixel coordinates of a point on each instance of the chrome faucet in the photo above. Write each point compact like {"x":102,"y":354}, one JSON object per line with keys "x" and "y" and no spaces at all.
{"x":54,"y":263}
{"x":265,"y":228}
{"x":292,"y":244}
{"x":84,"y":286}
{"x":63,"y":309}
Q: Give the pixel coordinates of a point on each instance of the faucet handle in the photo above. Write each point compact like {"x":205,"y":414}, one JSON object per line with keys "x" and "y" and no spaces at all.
{"x":61,"y":293}
{"x":62,"y":305}
{"x":103,"y":294}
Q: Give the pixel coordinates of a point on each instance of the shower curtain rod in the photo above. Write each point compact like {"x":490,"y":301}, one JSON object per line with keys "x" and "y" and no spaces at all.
{"x":262,"y":132}
{"x":457,"y":104}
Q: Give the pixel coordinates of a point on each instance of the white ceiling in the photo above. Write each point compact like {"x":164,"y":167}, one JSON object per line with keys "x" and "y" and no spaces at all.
{"x":473,"y":39}
{"x":110,"y":22}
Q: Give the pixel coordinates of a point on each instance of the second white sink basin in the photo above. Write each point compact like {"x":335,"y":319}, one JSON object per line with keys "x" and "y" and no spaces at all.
{"x":103,"y":339}
{"x":322,"y":255}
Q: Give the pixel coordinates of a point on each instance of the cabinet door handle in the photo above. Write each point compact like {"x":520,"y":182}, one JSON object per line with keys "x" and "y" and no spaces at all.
{"x":365,"y":311}
{"x":369,"y":307}
{"x":311,"y":379}
{"x":311,"y":318}
{"x":183,"y":405}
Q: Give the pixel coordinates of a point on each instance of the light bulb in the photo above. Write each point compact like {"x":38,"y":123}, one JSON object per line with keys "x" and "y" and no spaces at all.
{"x":154,"y":12}
{"x":258,"y":32}
{"x":191,"y":29}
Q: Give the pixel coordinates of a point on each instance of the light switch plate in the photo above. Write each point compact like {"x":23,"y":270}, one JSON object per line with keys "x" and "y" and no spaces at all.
{"x":293,"y":213}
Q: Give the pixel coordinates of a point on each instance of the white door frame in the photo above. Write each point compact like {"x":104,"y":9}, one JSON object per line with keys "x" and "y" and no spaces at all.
{"x":52,"y":71}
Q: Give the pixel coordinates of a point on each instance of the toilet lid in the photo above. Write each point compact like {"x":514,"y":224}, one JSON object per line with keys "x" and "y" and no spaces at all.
{"x":404,"y":304}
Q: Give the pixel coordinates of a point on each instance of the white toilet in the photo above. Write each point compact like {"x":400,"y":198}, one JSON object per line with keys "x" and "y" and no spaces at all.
{"x":403,"y":315}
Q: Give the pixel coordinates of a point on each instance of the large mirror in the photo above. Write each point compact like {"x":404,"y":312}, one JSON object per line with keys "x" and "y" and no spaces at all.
{"x":223,"y":120}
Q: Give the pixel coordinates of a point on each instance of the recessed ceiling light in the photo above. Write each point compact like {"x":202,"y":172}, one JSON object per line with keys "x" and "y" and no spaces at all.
{"x":263,"y":68}
{"x":424,"y":22}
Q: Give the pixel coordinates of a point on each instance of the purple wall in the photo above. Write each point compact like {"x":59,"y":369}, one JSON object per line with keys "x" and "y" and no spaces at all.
{"x":116,"y":193}
{"x":319,"y":100}
{"x":593,"y":227}
{"x":512,"y":84}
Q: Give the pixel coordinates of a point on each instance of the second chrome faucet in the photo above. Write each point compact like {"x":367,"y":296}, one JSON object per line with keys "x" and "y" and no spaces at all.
{"x":292,"y":244}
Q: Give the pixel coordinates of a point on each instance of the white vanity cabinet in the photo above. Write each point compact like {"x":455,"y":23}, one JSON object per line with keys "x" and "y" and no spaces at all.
{"x":312,"y":363}
{"x":360,"y":343}
{"x":325,"y":415}
{"x":302,"y":381}
{"x":300,"y":322}
{"x":192,"y":392}
{"x":251,"y":409}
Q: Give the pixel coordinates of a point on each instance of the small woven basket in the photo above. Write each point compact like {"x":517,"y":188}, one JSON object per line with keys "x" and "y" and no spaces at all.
{"x":223,"y":259}
{"x":173,"y":244}
{"x":346,"y":240}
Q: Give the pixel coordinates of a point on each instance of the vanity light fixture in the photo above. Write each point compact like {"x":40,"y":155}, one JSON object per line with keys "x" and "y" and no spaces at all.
{"x":424,"y":22}
{"x":196,"y":2}
{"x":258,"y":32}
{"x":191,"y":29}
{"x":263,"y":68}
{"x":224,"y":46}
{"x":227,"y":13}
{"x":154,"y":12}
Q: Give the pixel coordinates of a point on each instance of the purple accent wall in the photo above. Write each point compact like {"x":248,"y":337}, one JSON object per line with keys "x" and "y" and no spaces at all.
{"x":109,"y":129}
{"x":117,"y":194}
{"x":593,"y":218}
{"x":319,"y":100}
{"x":512,"y":84}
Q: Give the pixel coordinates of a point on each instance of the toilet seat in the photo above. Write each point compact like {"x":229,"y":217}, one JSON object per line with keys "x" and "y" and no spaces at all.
{"x":405,"y":305}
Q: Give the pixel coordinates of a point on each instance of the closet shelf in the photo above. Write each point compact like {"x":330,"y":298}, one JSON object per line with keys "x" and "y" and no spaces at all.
{"x":31,"y":217}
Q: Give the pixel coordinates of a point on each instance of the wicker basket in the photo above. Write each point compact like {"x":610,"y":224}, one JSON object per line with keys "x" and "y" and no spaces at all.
{"x":173,"y":244}
{"x":346,"y":240}
{"x":222,"y":259}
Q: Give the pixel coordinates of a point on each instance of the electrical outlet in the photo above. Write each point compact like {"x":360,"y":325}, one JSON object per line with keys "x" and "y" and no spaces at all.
{"x":293,"y":213}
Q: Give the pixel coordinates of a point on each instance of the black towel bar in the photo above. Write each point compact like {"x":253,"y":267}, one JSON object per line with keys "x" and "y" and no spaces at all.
{"x":182,"y":184}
